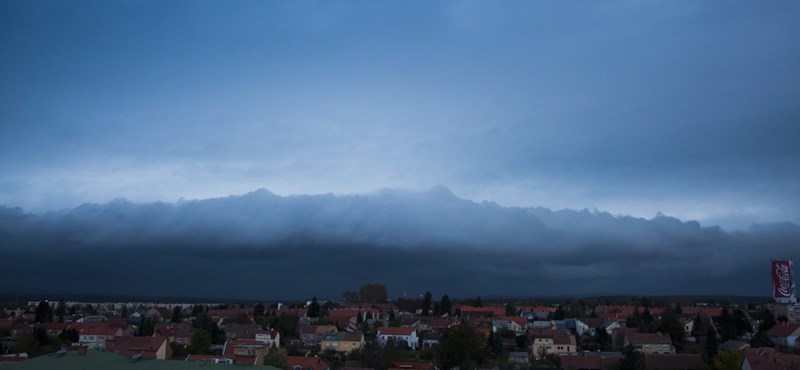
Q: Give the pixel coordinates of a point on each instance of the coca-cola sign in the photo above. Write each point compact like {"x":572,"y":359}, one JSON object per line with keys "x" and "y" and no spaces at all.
{"x":782,"y":284}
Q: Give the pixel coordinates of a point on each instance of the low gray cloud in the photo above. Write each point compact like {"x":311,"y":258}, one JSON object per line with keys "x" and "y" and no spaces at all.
{"x":261,"y":245}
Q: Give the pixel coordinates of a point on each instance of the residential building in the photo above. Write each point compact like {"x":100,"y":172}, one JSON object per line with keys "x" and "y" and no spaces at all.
{"x":547,"y":342}
{"x":271,"y":337}
{"x":407,"y":336}
{"x":658,"y":361}
{"x":785,"y":334}
{"x":245,"y":351}
{"x":650,"y":342}
{"x":769,"y":359}
{"x":306,"y":363}
{"x":157,"y":348}
{"x":342,"y":341}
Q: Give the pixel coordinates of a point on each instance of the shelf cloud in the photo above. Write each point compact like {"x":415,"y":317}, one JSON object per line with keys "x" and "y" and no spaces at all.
{"x":261,"y":245}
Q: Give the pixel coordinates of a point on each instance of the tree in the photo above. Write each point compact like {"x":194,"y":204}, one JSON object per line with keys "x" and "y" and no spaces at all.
{"x":43,"y":312}
{"x":25,"y":342}
{"x":634,"y":319}
{"x":286,"y":324}
{"x":477,"y":302}
{"x":258,"y":310}
{"x":374,"y":293}
{"x":313,"y":308}
{"x":350,"y":296}
{"x":698,"y":326}
{"x":510,"y":310}
{"x":461,"y":347}
{"x":495,"y":343}
{"x":148,"y":327}
{"x":445,"y":305}
{"x":124,"y":312}
{"x":202,"y":321}
{"x":711,"y":343}
{"x":375,"y":356}
{"x":332,"y":357}
{"x":559,"y":314}
{"x":277,"y":357}
{"x":61,"y":309}
{"x":69,"y":335}
{"x":201,"y":342}
{"x":669,"y":324}
{"x":729,"y":360}
{"x":197,"y":309}
{"x":603,"y":339}
{"x":632,"y":360}
{"x":176,"y":314}
{"x":426,"y":304}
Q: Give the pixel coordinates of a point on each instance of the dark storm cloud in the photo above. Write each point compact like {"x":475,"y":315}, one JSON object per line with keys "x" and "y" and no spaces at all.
{"x":264,"y":245}
{"x":684,"y":108}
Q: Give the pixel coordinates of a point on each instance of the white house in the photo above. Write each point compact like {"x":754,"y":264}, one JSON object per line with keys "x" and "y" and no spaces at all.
{"x":399,"y":335}
{"x":270,"y":337}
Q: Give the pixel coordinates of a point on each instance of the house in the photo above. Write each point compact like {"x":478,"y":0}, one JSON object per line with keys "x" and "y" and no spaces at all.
{"x":441,"y":324}
{"x":211,"y":359}
{"x":245,"y":351}
{"x":581,"y":362}
{"x":519,"y":358}
{"x":469,"y":312}
{"x":769,"y":359}
{"x":306,"y":363}
{"x":516,"y":324}
{"x":342,"y":341}
{"x":157,"y":348}
{"x":309,"y":334}
{"x":180,"y":334}
{"x":688,"y":325}
{"x":592,"y":325}
{"x":13,"y":357}
{"x":241,"y":331}
{"x":657,"y":361}
{"x":650,"y":342}
{"x":94,"y":335}
{"x":548,"y":342}
{"x":399,"y":335}
{"x":54,"y":328}
{"x":536,"y":312}
{"x":20,"y":328}
{"x":592,"y":361}
{"x":784,"y":334}
{"x":733,"y":345}
{"x":271,"y":337}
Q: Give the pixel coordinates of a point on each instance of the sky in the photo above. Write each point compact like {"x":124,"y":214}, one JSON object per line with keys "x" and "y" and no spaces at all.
{"x":644,"y":110}
{"x":684,"y":108}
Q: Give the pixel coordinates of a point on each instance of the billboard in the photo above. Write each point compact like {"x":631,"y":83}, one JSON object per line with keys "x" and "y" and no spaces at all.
{"x":783,"y":281}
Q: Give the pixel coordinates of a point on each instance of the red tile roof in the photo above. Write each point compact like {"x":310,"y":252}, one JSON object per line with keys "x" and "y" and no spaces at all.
{"x":784,"y":329}
{"x":581,"y":362}
{"x":648,"y":338}
{"x":769,"y":359}
{"x":306,"y":363}
{"x":675,"y":361}
{"x":395,"y":331}
{"x":129,"y":346}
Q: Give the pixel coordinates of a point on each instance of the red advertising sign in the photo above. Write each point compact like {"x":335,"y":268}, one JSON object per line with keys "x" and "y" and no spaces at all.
{"x":782,"y":281}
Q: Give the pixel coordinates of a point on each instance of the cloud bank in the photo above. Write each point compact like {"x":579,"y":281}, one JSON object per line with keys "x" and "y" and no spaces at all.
{"x":261,"y":245}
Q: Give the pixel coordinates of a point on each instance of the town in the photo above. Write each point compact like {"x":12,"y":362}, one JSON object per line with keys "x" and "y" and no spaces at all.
{"x":367,"y":330}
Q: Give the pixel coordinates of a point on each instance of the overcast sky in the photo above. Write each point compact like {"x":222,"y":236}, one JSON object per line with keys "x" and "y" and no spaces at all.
{"x":688,"y":108}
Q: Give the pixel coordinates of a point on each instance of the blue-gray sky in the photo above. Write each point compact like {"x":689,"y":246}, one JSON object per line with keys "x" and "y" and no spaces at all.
{"x":688,"y":108}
